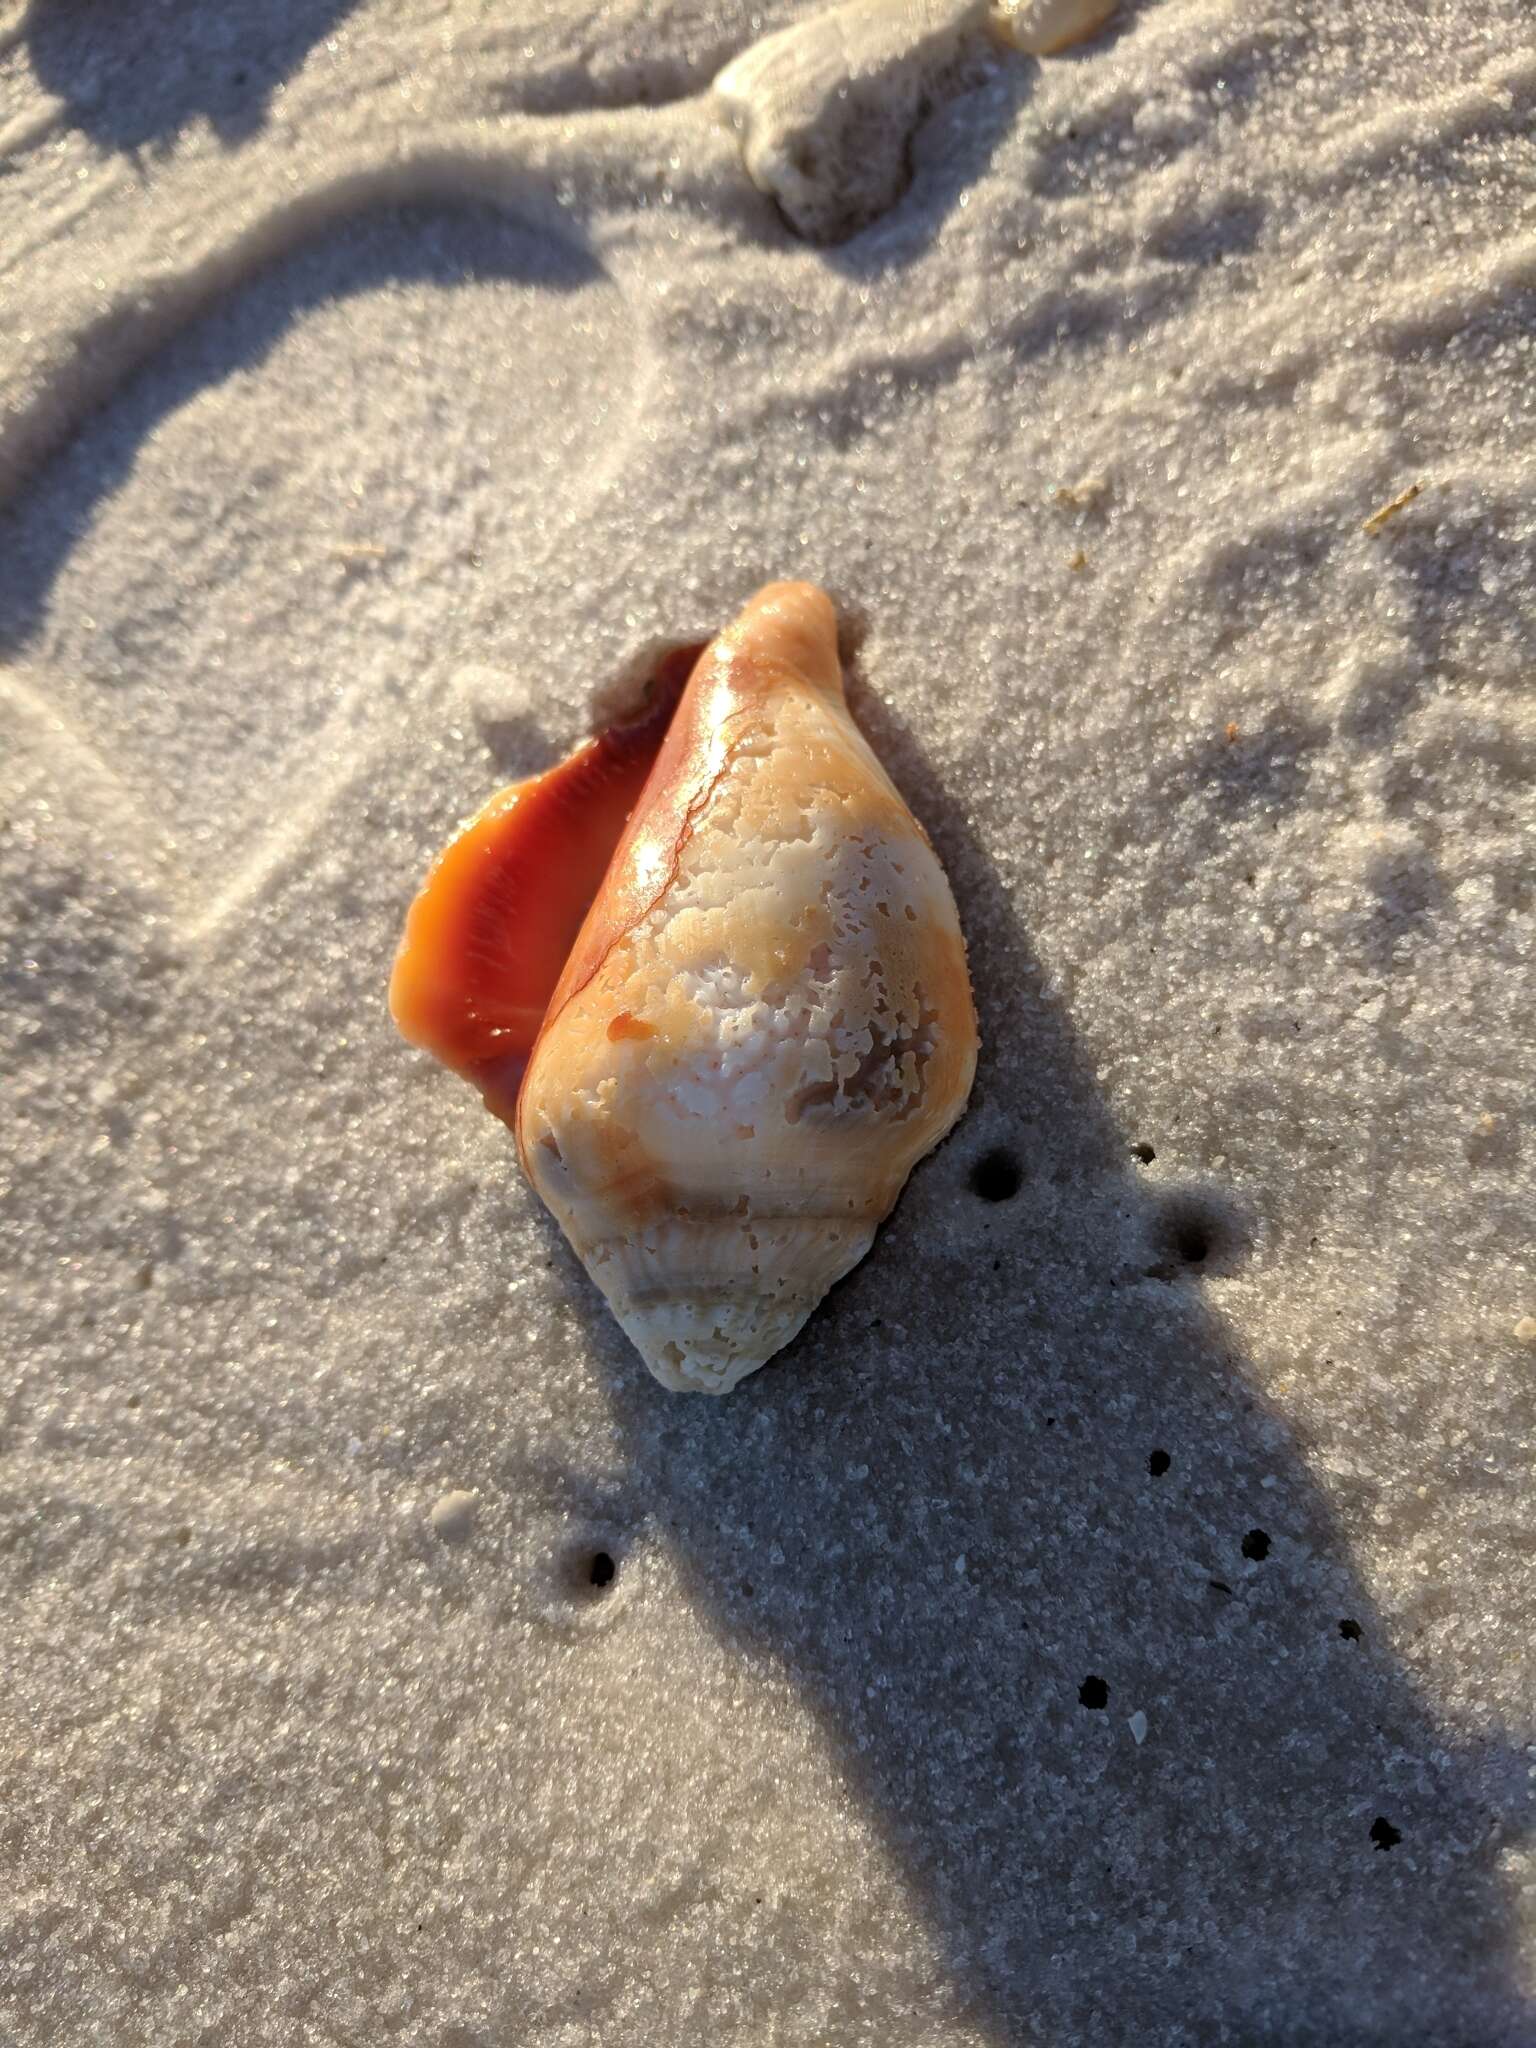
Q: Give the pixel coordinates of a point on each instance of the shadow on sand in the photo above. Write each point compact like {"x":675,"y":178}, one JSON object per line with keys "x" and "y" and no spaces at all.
{"x":134,"y":72}
{"x":1010,"y":1489}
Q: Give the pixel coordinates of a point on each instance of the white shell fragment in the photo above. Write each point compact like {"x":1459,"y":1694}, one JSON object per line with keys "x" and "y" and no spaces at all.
{"x":766,"y":1021}
{"x":1044,"y":27}
{"x":826,"y":107}
{"x":453,"y":1517}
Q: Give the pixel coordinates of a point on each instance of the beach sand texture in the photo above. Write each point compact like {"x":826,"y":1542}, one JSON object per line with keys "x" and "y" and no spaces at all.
{"x":1111,"y":1621}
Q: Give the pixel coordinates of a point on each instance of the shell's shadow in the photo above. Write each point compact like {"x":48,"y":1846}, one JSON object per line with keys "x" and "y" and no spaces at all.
{"x":1011,"y":1489}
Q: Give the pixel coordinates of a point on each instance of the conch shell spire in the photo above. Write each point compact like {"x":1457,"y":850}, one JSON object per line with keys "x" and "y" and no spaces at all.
{"x":762,"y":1024}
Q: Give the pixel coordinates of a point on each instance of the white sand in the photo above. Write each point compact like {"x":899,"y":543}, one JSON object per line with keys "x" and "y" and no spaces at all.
{"x":376,"y":385}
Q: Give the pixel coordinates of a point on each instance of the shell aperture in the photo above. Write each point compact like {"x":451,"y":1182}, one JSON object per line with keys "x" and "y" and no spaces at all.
{"x":490,"y":933}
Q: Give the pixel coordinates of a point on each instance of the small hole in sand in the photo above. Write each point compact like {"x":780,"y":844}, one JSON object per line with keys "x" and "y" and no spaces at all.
{"x":1350,"y":1631}
{"x":1256,"y":1546}
{"x":1158,"y":1463}
{"x":586,"y":1570}
{"x":1144,"y":1153}
{"x":1093,"y":1692}
{"x":1191,"y":1240}
{"x":997,"y":1176}
{"x":1197,"y":1231}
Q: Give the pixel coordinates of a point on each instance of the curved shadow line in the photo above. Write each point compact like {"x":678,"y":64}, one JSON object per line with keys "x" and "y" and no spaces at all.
{"x":110,"y":348}
{"x":546,"y":253}
{"x":452,"y":245}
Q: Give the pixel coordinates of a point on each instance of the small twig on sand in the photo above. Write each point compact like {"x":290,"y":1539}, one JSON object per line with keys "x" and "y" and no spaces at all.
{"x":1391,"y":509}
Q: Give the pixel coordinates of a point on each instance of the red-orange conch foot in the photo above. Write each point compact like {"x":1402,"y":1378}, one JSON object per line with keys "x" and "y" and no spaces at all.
{"x":710,"y":971}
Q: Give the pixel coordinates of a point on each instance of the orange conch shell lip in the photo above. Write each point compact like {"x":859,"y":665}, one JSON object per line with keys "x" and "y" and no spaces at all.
{"x":488,"y":937}
{"x":710,"y":970}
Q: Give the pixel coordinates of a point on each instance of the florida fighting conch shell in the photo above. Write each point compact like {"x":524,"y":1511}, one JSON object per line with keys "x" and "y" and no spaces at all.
{"x":710,"y":972}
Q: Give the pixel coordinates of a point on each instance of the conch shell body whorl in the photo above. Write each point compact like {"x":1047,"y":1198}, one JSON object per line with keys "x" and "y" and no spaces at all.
{"x":764,"y":1021}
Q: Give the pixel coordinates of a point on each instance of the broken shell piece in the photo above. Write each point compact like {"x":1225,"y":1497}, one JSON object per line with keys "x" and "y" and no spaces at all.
{"x":1045,"y":27}
{"x":765,"y":1021}
{"x":826,"y":108}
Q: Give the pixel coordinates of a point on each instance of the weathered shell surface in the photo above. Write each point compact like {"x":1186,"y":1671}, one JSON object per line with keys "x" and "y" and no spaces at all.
{"x":765,"y":1022}
{"x":826,"y":107}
